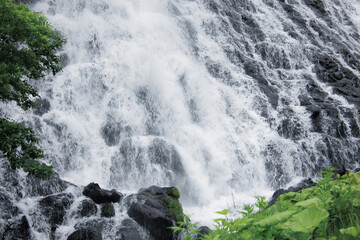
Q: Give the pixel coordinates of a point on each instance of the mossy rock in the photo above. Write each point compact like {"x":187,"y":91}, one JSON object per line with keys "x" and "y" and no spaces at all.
{"x":174,"y":192}
{"x":107,"y":210}
{"x":175,"y":209}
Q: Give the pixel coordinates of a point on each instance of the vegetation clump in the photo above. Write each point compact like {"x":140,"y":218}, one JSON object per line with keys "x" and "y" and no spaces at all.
{"x":174,"y":193}
{"x":28,"y":48}
{"x":329,"y":210}
{"x":175,"y":209}
{"x":107,"y":210}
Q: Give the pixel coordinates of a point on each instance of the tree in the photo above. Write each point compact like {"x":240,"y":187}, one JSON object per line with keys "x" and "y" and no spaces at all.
{"x":28,"y":47}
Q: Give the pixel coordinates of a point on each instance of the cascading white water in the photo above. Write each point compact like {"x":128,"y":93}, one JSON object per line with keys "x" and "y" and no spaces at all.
{"x":152,"y":93}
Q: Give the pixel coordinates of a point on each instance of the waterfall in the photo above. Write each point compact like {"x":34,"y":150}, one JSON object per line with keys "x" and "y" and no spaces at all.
{"x":223,"y":99}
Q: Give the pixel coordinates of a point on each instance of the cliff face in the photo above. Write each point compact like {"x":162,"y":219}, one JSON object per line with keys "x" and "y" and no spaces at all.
{"x":222,"y":99}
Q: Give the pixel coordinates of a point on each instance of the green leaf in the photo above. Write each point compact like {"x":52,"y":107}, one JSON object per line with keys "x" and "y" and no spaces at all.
{"x":223,"y":212}
{"x":242,"y":223}
{"x":306,"y":221}
{"x":287,"y":196}
{"x":356,"y":202}
{"x":311,"y":202}
{"x":275,"y":219}
{"x":351,"y":231}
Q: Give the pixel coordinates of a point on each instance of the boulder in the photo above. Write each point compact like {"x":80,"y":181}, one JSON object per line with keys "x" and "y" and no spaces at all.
{"x":99,"y":195}
{"x":85,"y":234}
{"x":130,"y":230}
{"x":87,"y":208}
{"x":99,"y":224}
{"x":306,"y":183}
{"x":156,"y":209}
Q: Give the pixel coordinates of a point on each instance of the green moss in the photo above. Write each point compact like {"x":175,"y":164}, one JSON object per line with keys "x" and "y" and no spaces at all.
{"x":175,"y":209}
{"x":107,"y":210}
{"x":174,"y":193}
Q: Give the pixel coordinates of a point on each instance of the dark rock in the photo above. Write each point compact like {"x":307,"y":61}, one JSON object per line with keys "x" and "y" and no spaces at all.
{"x":85,"y":234}
{"x":87,"y":208}
{"x":306,"y":183}
{"x":107,"y":210}
{"x":155,"y":210}
{"x":43,"y":187}
{"x":153,"y":215}
{"x":274,"y":56}
{"x":290,"y":128}
{"x":100,"y":224}
{"x":17,"y":230}
{"x":204,"y":230}
{"x":356,"y":170}
{"x":343,"y":80}
{"x":255,"y":70}
{"x":54,"y":207}
{"x":148,"y":100}
{"x":7,"y":208}
{"x":163,"y":192}
{"x":341,"y":171}
{"x":42,"y":106}
{"x":130,"y":230}
{"x":316,"y":4}
{"x":8,"y":211}
{"x":99,"y":195}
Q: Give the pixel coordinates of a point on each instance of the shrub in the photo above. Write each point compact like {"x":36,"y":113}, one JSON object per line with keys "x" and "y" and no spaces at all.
{"x":330,"y":210}
{"x":28,"y":48}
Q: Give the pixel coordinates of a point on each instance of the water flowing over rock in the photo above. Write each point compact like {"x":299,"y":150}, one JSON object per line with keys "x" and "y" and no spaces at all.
{"x":225,"y":100}
{"x":99,"y":195}
{"x":18,"y":229}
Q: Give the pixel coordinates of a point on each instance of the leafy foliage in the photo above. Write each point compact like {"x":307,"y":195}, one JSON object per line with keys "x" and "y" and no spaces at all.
{"x":28,"y":48}
{"x":187,"y":228}
{"x":330,"y":210}
{"x":18,"y":144}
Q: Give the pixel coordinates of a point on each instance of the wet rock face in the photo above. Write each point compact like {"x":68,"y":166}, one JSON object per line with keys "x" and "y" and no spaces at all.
{"x":85,"y":234}
{"x":19,"y":229}
{"x":7,"y":208}
{"x":150,"y":209}
{"x":87,"y":208}
{"x":130,"y":230}
{"x":54,"y":207}
{"x":306,"y":183}
{"x":155,"y":160}
{"x":342,"y":79}
{"x":99,"y":195}
{"x":43,"y":187}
